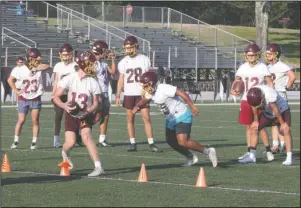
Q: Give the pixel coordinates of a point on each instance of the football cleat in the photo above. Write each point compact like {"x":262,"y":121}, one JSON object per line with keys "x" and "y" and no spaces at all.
{"x":96,"y":172}
{"x":103,"y":144}
{"x":154,"y":148}
{"x":247,"y":159}
{"x":14,"y":145}
{"x":33,"y":146}
{"x":191,"y":161}
{"x":287,"y":162}
{"x":212,"y":156}
{"x":270,"y":156}
{"x":243,"y":156}
{"x":133,"y":148}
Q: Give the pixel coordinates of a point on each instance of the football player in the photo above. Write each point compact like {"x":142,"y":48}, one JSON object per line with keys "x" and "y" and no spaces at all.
{"x":284,"y":78}
{"x":269,"y":109}
{"x":61,"y":69}
{"x":29,"y":93}
{"x":84,"y":90}
{"x":131,"y":67}
{"x":252,"y":73}
{"x":103,"y":71}
{"x":172,"y":103}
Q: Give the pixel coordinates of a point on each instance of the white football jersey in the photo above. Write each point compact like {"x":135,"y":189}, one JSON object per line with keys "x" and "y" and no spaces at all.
{"x":30,"y":82}
{"x":79,"y":90}
{"x":272,"y":96}
{"x":279,"y":69}
{"x":170,"y":105}
{"x":18,"y":83}
{"x":62,"y":70}
{"x":133,"y":68}
{"x":252,"y":76}
{"x":102,"y":75}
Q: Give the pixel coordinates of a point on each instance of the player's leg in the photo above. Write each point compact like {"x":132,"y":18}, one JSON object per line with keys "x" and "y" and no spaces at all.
{"x":287,"y":138}
{"x":23,"y":108}
{"x":183,"y":137}
{"x":148,"y":129}
{"x":246,"y":118}
{"x":103,"y":124}
{"x":59,"y":112}
{"x":275,"y":139}
{"x":92,"y":149}
{"x":35,"y":117}
{"x":128,"y":104}
{"x":265,"y":140}
{"x":171,"y":140}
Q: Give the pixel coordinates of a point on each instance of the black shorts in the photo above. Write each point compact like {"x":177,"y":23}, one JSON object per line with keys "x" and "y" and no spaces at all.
{"x":180,"y":128}
{"x":266,"y":122}
{"x":129,"y":102}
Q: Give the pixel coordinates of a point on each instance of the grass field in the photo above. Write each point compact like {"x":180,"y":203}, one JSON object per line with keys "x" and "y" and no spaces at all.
{"x":34,"y":180}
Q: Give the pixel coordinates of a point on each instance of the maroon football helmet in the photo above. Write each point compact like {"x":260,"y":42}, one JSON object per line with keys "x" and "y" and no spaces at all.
{"x":255,"y":96}
{"x":273,"y":52}
{"x":252,"y":50}
{"x":33,"y":58}
{"x":130,"y":46}
{"x":99,"y":47}
{"x":66,"y":53}
{"x":86,"y":62}
{"x":149,"y":81}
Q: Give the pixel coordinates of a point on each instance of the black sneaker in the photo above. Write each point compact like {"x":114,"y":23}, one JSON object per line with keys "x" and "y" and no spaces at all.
{"x":133,"y":148}
{"x":104,"y":144}
{"x":154,"y":148}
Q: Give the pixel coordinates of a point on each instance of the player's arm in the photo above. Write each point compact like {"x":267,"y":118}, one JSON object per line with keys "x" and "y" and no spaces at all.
{"x":57,"y":100}
{"x":269,"y":81}
{"x":12,"y":83}
{"x":141,"y":104}
{"x":95,"y":104}
{"x":291,"y":78}
{"x":187,"y":100}
{"x":54,"y":85}
{"x":233,"y":91}
{"x":112,"y":68}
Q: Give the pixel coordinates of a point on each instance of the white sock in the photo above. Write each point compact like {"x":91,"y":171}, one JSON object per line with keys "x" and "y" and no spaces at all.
{"x":34,"y":139}
{"x":150,"y":141}
{"x":276,"y":142}
{"x":289,"y":156}
{"x":97,"y":164}
{"x":206,"y":151}
{"x":253,"y":153}
{"x":16,"y":139}
{"x":64,"y":155}
{"x":56,"y":138}
{"x":102,"y":138}
{"x":282,"y":143}
{"x":132,"y":140}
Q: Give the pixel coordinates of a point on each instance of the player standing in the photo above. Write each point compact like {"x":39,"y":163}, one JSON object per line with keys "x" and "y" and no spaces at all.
{"x":131,"y":67}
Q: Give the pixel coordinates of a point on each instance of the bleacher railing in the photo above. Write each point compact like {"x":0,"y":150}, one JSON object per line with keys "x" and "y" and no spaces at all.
{"x":151,"y":17}
{"x":8,"y":33}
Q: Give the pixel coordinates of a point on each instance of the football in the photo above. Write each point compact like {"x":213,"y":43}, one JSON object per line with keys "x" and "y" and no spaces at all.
{"x":76,"y":110}
{"x":238,"y":86}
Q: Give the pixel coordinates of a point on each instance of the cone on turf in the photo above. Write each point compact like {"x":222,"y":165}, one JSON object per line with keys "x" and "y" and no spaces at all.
{"x":201,"y":180}
{"x":64,"y":168}
{"x":5,"y":168}
{"x":142,"y":176}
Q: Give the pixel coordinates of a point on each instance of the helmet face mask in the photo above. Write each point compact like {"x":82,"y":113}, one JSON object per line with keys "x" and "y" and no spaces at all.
{"x":66,"y":53}
{"x":130,"y":46}
{"x":33,"y":58}
{"x":87,"y":63}
{"x":273,"y":53}
{"x":252,"y":54}
{"x":149,"y":82}
{"x":99,"y":49}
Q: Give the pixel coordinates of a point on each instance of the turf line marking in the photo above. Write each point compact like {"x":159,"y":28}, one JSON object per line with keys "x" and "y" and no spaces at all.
{"x":166,"y":183}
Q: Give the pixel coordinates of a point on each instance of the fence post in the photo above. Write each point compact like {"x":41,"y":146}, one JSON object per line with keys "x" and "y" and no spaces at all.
{"x":169,"y":51}
{"x":215,"y":54}
{"x":196,"y":64}
{"x":181,"y":21}
{"x":71,"y":24}
{"x":47,"y":12}
{"x":2,"y":35}
{"x":89,"y":28}
{"x":123,"y":16}
{"x":143,"y":17}
{"x":168,"y":18}
{"x":83,"y":11}
{"x":154,"y":56}
{"x":107,"y":33}
{"x":50,"y":57}
{"x":162,"y":16}
{"x":103,"y":10}
{"x":215,"y":36}
{"x":199,"y":32}
{"x":235,"y":60}
{"x":6,"y":56}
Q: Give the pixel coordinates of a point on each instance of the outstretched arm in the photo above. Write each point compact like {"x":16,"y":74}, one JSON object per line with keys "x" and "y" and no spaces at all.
{"x":141,"y":104}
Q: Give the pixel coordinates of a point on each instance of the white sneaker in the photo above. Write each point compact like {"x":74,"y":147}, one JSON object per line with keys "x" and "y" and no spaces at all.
{"x":212,"y":156}
{"x":243,"y":156}
{"x":287,"y":162}
{"x":190,"y":161}
{"x":96,"y":172}
{"x":68,"y":159}
{"x":33,"y":146}
{"x":247,"y":159}
{"x":14,"y":145}
{"x":270,"y":156}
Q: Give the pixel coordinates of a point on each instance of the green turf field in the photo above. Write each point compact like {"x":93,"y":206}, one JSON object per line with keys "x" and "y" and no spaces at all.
{"x":34,"y":180}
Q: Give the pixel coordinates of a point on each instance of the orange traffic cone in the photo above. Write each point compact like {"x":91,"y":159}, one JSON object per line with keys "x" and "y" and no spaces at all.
{"x":142,"y":176}
{"x":5,"y":168}
{"x":201,"y":181}
{"x":64,"y":168}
